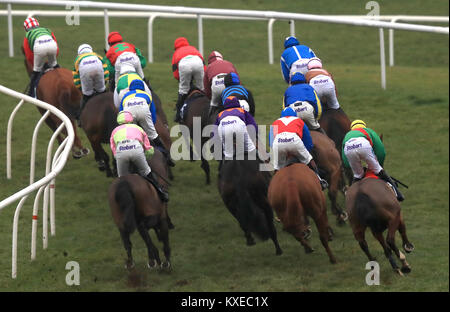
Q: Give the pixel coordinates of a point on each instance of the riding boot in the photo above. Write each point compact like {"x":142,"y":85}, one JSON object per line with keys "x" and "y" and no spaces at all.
{"x":56,"y":66}
{"x":163,"y":195}
{"x":355,"y":179}
{"x":179,"y":105}
{"x":312,"y":165}
{"x":157,"y":142}
{"x":320,"y":129}
{"x":33,"y":80}
{"x":384,"y":176}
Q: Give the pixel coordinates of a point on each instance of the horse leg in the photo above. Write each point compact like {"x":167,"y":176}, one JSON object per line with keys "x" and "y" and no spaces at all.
{"x":323,"y":228}
{"x":101,"y":157}
{"x":392,"y":228}
{"x":164,"y":237}
{"x":78,"y":149}
{"x":387,"y":251}
{"x":407,"y":245}
{"x":129,"y":264}
{"x":152,"y":251}
{"x":205,"y":167}
{"x":249,"y":237}
{"x":359,"y":233}
{"x":333,"y":188}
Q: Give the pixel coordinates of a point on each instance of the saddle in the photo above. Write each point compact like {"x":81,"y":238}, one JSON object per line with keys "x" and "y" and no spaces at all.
{"x":192,"y":95}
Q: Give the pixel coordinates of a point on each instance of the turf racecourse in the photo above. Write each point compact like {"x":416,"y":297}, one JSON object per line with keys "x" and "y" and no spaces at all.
{"x":208,"y":247}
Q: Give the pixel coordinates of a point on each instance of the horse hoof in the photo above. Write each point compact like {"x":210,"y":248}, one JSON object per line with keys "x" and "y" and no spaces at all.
{"x":152,"y":265}
{"x":408,"y":247}
{"x":279,"y":252}
{"x":399,"y":272}
{"x":85,"y":151}
{"x":307,"y":233}
{"x":166,"y":266}
{"x":406,"y":269}
{"x":309,"y":250}
{"x":77,"y":155}
{"x":333,"y":260}
{"x":129,"y":265}
{"x":343,"y":216}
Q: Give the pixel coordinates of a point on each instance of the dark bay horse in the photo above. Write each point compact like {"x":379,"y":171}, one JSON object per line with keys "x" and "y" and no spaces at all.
{"x":134,"y":203}
{"x":371,"y":203}
{"x":56,"y":88}
{"x":336,"y":124}
{"x":295,"y":193}
{"x":243,"y":188}
{"x":98,"y":120}
{"x":329,"y":162}
{"x":197,"y":105}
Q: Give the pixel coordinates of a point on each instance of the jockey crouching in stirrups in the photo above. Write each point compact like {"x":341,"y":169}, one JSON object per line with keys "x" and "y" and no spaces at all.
{"x":39,"y":43}
{"x":364,"y":144}
{"x":140,"y":104}
{"x":303,"y":99}
{"x":130,"y":145}
{"x":90,"y":74}
{"x":232,"y":122}
{"x":289,"y":135}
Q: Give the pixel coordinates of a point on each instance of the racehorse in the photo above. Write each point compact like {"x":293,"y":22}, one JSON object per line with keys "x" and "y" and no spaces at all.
{"x":243,"y":188}
{"x":56,"y":88}
{"x":98,"y":120}
{"x":329,"y":163}
{"x":372,"y":203}
{"x":295,"y":193}
{"x":197,"y":105}
{"x":336,"y":124}
{"x":134,"y":203}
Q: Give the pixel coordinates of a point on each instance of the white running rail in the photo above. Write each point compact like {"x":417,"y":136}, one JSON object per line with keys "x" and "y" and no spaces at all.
{"x":46,"y":185}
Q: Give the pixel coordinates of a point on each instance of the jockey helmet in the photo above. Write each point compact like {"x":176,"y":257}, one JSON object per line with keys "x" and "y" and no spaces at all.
{"x":180,"y":42}
{"x":314,"y":62}
{"x":84,"y":48}
{"x":288,"y":111}
{"x":114,"y":37}
{"x":137,"y":84}
{"x":231,"y":101}
{"x":357,"y":124}
{"x":215,"y":55}
{"x":124,"y":117}
{"x":297,"y":78}
{"x":30,"y":23}
{"x":290,"y":42}
{"x":231,"y":79}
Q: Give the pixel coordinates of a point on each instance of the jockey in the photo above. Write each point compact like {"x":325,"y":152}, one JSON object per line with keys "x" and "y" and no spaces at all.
{"x":90,"y":73}
{"x":233,"y":87}
{"x":294,"y":58}
{"x":140,"y":104}
{"x":289,"y":135}
{"x":123,"y":83}
{"x":364,"y":144}
{"x":213,"y":81}
{"x":130,"y":145}
{"x":39,"y":43}
{"x":234,"y":121}
{"x":122,"y":53}
{"x":302,"y":98}
{"x":322,"y":81}
{"x":187,"y":66}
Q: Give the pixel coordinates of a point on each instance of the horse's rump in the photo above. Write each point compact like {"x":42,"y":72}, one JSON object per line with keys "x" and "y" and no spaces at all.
{"x":99,"y":116}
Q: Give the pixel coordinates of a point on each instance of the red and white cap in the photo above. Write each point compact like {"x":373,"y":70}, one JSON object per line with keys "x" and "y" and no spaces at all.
{"x":314,"y":62}
{"x":30,"y":23}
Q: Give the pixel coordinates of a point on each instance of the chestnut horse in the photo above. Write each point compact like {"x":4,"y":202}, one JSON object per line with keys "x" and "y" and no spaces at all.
{"x":372,"y":203}
{"x":134,"y":203}
{"x":56,"y":88}
{"x":295,"y":193}
{"x":329,"y":163}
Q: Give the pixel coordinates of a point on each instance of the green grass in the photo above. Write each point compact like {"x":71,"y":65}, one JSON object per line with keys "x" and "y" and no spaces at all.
{"x":208,"y":247}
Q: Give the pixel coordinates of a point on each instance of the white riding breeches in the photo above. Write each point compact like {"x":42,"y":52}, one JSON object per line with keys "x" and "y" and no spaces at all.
{"x":129,"y":59}
{"x":190,"y":69}
{"x":326,"y":90}
{"x":91,"y":75}
{"x":131,"y":152}
{"x":233,"y":126}
{"x":217,"y":86}
{"x":357,"y":150}
{"x":305,"y":111}
{"x":288,"y":144}
{"x":142,"y":116}
{"x":44,"y":47}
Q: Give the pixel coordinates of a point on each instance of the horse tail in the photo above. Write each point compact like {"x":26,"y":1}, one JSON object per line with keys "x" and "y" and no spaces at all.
{"x":110,"y":124}
{"x":366,"y":213}
{"x":251,"y":216}
{"x":125,"y":199}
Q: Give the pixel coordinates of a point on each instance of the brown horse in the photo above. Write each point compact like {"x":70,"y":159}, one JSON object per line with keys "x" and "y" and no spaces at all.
{"x":295,"y":193}
{"x":243,"y":188}
{"x":134,"y":203}
{"x":197,"y":105}
{"x":372,"y":203}
{"x":56,"y":88}
{"x":98,"y":120}
{"x":336,"y":124}
{"x":329,"y":162}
